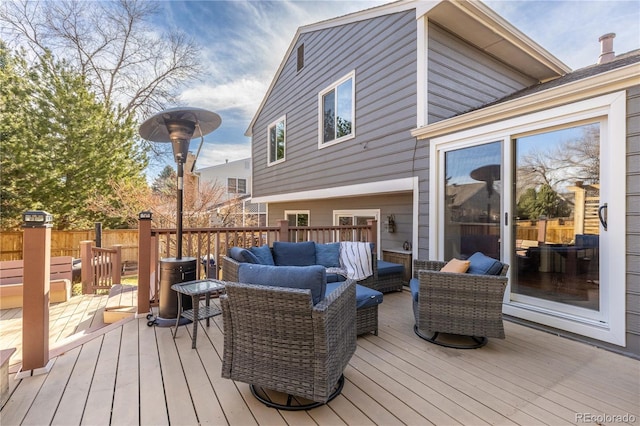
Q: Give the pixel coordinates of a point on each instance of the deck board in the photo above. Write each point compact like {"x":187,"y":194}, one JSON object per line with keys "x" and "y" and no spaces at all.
{"x":135,"y":374}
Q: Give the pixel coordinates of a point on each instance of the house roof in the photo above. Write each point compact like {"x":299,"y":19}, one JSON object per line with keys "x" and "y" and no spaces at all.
{"x":470,"y":20}
{"x":620,"y":73}
{"x":620,"y":61}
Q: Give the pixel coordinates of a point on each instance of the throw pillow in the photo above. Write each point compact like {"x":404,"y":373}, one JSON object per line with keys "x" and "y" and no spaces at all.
{"x":242,"y":255}
{"x":484,"y":265}
{"x":456,"y":265}
{"x":263,"y":254}
{"x":328,"y":255}
{"x":294,"y":254}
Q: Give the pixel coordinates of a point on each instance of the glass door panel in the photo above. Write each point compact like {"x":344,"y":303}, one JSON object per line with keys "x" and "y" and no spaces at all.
{"x":556,"y":243}
{"x":473,"y":201}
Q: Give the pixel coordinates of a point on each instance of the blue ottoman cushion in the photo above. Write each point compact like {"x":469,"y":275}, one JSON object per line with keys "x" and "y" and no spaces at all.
{"x":294,"y":254}
{"x":305,"y":277}
{"x":365,"y":296}
{"x":388,"y":268}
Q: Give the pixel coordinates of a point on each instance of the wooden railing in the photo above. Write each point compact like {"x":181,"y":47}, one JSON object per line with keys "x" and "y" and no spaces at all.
{"x":212,"y":243}
{"x":101,"y":267}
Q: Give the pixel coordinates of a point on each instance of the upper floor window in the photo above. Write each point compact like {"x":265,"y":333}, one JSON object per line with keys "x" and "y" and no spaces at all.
{"x":236,"y":186}
{"x":300,"y":63}
{"x":336,"y":111}
{"x":277,"y":140}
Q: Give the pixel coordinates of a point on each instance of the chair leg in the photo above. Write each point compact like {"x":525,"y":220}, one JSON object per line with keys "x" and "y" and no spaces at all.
{"x":292,"y":404}
{"x":478,"y":341}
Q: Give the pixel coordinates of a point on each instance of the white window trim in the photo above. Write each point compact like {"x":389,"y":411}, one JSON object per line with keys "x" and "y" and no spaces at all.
{"x":361,"y":212}
{"x":246,"y":189}
{"x":612,"y":109}
{"x":334,"y":86}
{"x":275,"y":123}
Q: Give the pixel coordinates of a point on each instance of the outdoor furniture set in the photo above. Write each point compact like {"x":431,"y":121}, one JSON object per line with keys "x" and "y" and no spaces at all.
{"x":310,"y":253}
{"x":290,"y":326}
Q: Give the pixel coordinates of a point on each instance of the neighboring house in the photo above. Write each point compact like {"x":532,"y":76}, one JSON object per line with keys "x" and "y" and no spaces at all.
{"x":235,"y":206}
{"x":418,"y":110}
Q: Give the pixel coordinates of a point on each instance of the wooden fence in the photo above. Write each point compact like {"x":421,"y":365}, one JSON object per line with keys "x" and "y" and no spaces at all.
{"x":67,"y":243}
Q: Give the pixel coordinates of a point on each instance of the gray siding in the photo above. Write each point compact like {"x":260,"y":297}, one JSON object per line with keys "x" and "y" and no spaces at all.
{"x":460,"y":77}
{"x":382,"y":51}
{"x":633,"y":220}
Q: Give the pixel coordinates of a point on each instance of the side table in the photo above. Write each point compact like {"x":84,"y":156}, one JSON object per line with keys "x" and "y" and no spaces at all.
{"x":197,"y":289}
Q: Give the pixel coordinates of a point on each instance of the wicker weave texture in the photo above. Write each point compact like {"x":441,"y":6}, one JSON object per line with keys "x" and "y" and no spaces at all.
{"x":275,"y":338}
{"x":367,"y":318}
{"x":465,"y":304}
{"x":389,"y":282}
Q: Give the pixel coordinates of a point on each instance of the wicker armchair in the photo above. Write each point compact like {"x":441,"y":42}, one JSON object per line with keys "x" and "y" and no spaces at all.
{"x":275,"y":339}
{"x":454,"y":303}
{"x":366,"y":317}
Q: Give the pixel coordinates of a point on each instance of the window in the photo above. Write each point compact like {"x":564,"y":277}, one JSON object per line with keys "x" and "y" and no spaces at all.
{"x":528,"y":190}
{"x":236,"y":186}
{"x":336,"y":111}
{"x":300,"y":57}
{"x":298,"y":218}
{"x":277,"y":141}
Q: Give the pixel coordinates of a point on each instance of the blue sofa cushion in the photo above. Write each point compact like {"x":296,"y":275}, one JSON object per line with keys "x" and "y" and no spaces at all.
{"x":414,"y":286}
{"x":294,"y":254}
{"x":388,"y":268}
{"x":242,"y":255}
{"x":328,"y":255}
{"x":307,"y":277}
{"x":365,"y":296}
{"x":484,"y":265}
{"x":263,"y":254}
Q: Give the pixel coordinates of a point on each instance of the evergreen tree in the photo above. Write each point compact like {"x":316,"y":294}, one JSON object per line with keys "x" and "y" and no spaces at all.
{"x":60,"y":146}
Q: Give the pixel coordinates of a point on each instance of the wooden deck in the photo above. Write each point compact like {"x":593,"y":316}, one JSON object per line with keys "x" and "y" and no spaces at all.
{"x":80,"y":314}
{"x":135,"y":374}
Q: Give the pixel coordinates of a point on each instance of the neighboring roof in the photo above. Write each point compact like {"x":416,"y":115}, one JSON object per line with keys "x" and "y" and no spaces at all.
{"x":470,"y":20}
{"x":620,"y":61}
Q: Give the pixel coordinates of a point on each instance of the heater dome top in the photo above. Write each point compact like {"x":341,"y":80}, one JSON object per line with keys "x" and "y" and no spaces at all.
{"x":157,"y":127}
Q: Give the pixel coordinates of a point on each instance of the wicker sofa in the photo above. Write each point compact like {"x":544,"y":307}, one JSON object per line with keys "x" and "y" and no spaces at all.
{"x":464,"y":304}
{"x":367,"y":299}
{"x":280,"y":337}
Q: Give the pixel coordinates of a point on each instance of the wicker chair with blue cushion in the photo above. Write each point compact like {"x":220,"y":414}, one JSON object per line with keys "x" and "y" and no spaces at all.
{"x":286,"y":336}
{"x":465,"y":304}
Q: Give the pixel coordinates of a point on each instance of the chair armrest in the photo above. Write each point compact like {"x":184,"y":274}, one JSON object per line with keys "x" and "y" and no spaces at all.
{"x":335,"y":333}
{"x":426,"y":265}
{"x":230,"y":269}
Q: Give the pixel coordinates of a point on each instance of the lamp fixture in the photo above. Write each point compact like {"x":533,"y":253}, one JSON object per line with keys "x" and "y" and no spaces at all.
{"x":390,"y":224}
{"x":177,"y":126}
{"x":37,"y":219}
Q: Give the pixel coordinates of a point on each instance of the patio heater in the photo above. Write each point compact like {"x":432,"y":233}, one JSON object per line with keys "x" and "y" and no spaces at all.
{"x":177,"y":126}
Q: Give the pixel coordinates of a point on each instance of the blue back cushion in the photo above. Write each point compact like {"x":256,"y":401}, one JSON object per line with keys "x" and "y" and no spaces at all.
{"x":484,"y":265}
{"x":294,"y":254}
{"x":263,"y":254}
{"x":304,"y":277}
{"x":242,"y":255}
{"x":328,"y":255}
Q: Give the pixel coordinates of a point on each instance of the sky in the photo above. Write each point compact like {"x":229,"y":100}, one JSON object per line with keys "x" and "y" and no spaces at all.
{"x":243,"y":43}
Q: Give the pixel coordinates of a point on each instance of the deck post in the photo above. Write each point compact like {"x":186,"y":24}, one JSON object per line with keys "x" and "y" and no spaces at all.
{"x":283,"y":232}
{"x":372,"y":233}
{"x":144,"y":262}
{"x":35,"y":293}
{"x":86,"y":270}
{"x":116,"y":263}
